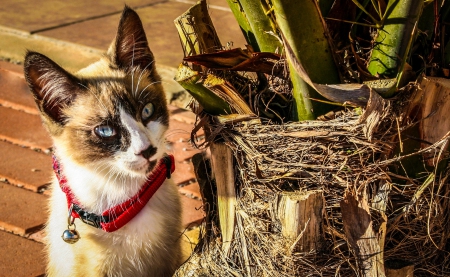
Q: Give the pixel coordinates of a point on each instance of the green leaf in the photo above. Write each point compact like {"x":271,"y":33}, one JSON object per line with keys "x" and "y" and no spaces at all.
{"x":190,"y":81}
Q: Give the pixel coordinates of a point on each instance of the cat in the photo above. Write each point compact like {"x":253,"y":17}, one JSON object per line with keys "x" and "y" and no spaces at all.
{"x":107,"y":122}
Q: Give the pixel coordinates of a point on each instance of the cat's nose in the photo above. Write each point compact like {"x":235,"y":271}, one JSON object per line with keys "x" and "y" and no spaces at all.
{"x":147,"y":153}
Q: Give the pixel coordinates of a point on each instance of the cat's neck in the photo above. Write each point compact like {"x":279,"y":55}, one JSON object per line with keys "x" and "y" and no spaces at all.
{"x":98,"y":188}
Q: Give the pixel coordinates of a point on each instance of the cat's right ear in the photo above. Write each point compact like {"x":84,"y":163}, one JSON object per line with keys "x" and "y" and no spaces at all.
{"x":53,"y":87}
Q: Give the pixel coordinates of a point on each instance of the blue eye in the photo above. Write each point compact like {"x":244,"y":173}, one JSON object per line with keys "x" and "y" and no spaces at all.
{"x":147,"y":111}
{"x":105,"y":131}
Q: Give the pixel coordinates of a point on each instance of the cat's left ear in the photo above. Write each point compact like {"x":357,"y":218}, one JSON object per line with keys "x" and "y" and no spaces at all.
{"x":130,"y":48}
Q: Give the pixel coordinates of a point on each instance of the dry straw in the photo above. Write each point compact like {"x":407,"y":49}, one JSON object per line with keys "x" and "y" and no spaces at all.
{"x":342,"y":156}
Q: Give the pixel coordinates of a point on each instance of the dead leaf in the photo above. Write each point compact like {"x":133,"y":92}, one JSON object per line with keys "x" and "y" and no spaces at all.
{"x":237,"y":60}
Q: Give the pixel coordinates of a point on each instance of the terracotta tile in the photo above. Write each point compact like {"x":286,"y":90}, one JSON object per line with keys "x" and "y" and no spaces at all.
{"x":179,"y":138}
{"x":21,"y":211}
{"x":170,"y":107}
{"x":25,"y":167}
{"x":23,"y":129}
{"x":158,"y":22}
{"x":37,"y":236}
{"x":15,"y":68}
{"x":184,"y":173}
{"x":182,"y":151}
{"x":38,"y":15}
{"x":20,"y":256}
{"x":14,"y":92}
{"x":190,"y":239}
{"x":191,"y":190}
{"x":182,"y":115}
{"x":181,"y":127}
{"x":178,"y":131}
{"x":192,"y":211}
{"x":216,"y":4}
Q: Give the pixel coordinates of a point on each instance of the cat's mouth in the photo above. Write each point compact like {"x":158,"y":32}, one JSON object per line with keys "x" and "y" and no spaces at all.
{"x":143,"y":168}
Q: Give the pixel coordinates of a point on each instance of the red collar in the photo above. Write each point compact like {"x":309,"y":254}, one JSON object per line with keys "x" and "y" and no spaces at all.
{"x":116,"y":217}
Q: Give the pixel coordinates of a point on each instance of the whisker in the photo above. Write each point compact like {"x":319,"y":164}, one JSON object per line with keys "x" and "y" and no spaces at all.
{"x":140,"y":77}
{"x":100,"y":102}
{"x":132,"y":63}
{"x":145,"y":96}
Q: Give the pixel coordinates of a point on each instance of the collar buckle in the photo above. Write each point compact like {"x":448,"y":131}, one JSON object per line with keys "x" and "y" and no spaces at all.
{"x":90,"y":218}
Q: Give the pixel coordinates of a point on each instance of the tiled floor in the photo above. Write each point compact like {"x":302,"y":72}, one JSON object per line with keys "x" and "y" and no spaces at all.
{"x":94,"y":24}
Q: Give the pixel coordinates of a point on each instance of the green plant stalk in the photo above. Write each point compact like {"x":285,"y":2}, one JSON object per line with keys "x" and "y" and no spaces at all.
{"x":211,"y":103}
{"x":242,"y":20}
{"x":303,"y":107}
{"x":393,"y":40}
{"x":197,"y":35}
{"x":258,"y":28}
{"x":306,"y":36}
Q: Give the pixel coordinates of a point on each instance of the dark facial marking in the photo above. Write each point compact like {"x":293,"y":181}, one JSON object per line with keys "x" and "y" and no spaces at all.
{"x":85,"y":111}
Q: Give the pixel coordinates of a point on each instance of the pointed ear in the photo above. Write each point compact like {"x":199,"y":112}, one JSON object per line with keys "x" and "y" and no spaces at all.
{"x":53,"y":87}
{"x":130,"y":48}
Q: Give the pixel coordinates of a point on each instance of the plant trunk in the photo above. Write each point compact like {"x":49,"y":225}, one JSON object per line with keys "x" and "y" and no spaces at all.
{"x":307,"y":36}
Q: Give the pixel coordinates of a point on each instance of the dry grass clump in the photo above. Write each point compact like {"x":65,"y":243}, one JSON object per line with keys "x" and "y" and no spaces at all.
{"x":334,"y":156}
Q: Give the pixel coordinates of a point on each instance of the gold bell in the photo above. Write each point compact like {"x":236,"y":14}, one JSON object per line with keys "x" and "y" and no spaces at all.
{"x":70,"y":235}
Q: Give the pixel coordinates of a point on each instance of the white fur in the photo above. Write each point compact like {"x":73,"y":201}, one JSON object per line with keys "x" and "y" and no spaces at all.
{"x":120,"y":251}
{"x":140,"y":244}
{"x":131,"y":159}
{"x":142,"y":137}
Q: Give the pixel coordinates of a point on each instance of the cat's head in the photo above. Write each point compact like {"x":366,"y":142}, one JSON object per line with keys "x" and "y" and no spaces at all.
{"x":111,"y":115}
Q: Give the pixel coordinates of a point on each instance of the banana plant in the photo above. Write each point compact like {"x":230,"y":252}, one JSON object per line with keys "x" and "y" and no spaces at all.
{"x":394,"y":40}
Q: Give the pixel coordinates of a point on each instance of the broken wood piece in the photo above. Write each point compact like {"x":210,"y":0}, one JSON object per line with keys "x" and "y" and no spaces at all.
{"x":430,"y":109}
{"x":237,"y":118}
{"x":196,"y":31}
{"x":362,"y":234}
{"x":373,"y":115}
{"x":202,"y":170}
{"x":300,"y":215}
{"x":226,"y":91}
{"x":379,"y":206}
{"x":223,"y":171}
{"x":399,"y":269}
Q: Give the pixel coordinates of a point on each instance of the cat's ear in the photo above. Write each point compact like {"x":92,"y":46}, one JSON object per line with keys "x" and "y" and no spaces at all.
{"x":53,"y":87}
{"x":130,"y":48}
